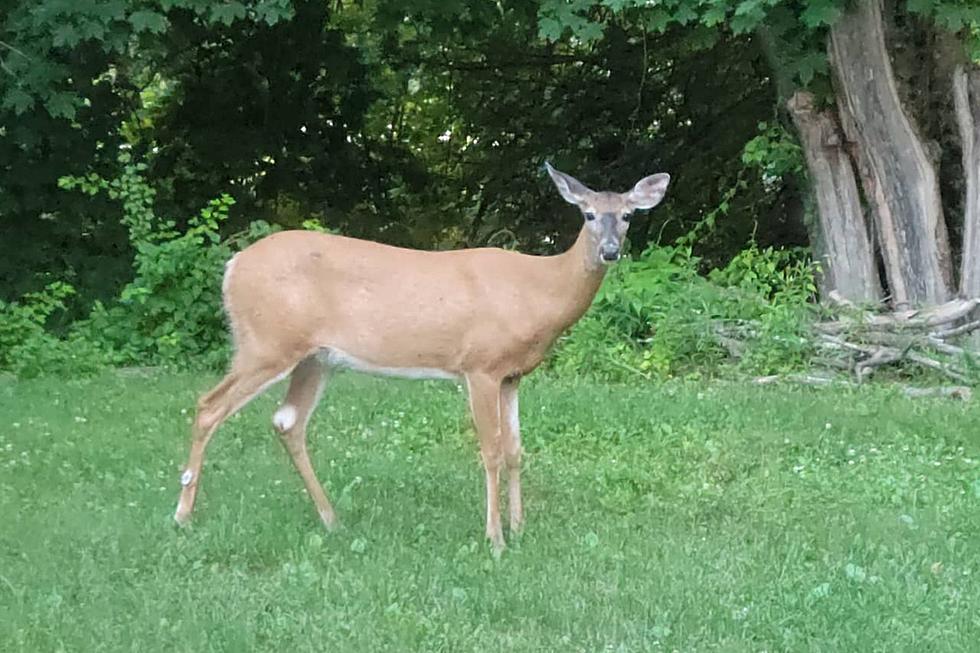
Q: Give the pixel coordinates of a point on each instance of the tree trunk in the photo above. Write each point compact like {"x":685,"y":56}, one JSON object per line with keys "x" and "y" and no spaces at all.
{"x":899,"y":178}
{"x":966,"y":99}
{"x":847,"y":259}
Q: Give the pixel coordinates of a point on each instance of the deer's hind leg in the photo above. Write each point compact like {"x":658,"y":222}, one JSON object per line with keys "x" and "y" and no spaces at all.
{"x":248,"y":377}
{"x":290,"y":420}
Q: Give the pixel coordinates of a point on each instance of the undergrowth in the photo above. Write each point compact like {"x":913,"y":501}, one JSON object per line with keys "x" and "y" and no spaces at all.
{"x":656,"y":316}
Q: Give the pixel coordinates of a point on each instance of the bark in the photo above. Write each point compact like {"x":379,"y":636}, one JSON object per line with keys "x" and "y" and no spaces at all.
{"x":966,"y":99}
{"x":847,"y":259}
{"x":898,"y":177}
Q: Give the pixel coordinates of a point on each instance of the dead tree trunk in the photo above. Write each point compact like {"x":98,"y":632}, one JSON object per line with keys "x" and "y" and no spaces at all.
{"x":898,"y":176}
{"x":847,"y":261}
{"x":966,"y":98}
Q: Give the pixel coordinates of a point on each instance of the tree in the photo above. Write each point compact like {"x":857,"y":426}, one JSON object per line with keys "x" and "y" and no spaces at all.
{"x":883,"y":141}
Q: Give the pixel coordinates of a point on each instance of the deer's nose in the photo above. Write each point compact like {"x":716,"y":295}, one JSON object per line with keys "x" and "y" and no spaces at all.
{"x":609,"y":252}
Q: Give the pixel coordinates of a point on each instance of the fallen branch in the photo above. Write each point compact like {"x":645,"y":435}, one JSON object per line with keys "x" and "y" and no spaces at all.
{"x":953,"y":392}
{"x":882,"y":356}
{"x":900,"y":320}
{"x":805,"y":379}
{"x":940,"y":346}
{"x":863,"y":344}
{"x":925,"y":361}
{"x":969,"y":327}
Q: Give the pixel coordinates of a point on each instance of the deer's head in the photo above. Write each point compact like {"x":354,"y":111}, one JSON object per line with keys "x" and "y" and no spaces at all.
{"x":607,"y":214}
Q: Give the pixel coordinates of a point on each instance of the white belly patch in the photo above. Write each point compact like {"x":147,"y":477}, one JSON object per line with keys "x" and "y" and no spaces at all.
{"x":337,"y":358}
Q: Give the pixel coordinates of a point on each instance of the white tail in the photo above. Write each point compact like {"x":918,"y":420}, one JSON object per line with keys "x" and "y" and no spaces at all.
{"x":303,"y":303}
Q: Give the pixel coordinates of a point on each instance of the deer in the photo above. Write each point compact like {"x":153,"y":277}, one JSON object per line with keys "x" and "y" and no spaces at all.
{"x":304,"y":304}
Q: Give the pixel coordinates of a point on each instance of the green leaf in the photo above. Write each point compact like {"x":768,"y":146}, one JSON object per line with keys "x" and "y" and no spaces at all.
{"x":61,"y":105}
{"x":657,"y":20}
{"x":18,"y":100}
{"x":819,"y":13}
{"x":65,"y":36}
{"x":714,"y":15}
{"x":809,"y":65}
{"x":549,"y":29}
{"x":749,"y":14}
{"x":227,"y":12}
{"x":589,"y":31}
{"x":685,"y":13}
{"x":92,"y":29}
{"x":148,"y":21}
{"x":273,"y":11}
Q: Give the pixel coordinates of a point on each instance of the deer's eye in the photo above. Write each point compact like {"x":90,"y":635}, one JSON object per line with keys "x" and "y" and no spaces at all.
{"x":590,"y":216}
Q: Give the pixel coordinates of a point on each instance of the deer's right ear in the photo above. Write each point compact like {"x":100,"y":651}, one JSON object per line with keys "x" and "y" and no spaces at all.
{"x":574,"y":191}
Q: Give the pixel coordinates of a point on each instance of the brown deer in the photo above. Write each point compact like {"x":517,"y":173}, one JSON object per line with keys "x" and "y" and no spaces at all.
{"x":301,"y":304}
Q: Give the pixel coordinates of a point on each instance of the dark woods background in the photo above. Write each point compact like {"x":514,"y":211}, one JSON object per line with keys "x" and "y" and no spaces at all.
{"x":415,"y":123}
{"x":142,"y":142}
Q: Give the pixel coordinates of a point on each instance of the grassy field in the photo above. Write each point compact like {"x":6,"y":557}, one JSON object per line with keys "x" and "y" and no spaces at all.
{"x":683,"y":517}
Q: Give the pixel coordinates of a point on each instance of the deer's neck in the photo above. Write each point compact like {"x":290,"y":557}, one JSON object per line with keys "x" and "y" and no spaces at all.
{"x":578,"y":280}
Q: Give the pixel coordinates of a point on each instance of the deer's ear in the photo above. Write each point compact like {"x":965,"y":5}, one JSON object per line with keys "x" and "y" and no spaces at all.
{"x":648,"y":192}
{"x":574,"y":191}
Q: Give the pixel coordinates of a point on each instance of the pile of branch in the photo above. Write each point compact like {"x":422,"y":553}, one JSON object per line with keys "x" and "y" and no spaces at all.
{"x":856,"y":343}
{"x":867,"y":341}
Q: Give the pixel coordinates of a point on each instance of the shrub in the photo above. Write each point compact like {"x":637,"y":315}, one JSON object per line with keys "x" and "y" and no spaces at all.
{"x":655,"y":316}
{"x":28,"y":349}
{"x":169,"y":314}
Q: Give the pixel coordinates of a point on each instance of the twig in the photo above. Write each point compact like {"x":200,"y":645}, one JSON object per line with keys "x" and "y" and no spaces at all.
{"x":969,"y":327}
{"x":925,"y":361}
{"x":882,"y":356}
{"x":805,"y":379}
{"x":931,"y":317}
{"x":13,"y":49}
{"x":943,"y":347}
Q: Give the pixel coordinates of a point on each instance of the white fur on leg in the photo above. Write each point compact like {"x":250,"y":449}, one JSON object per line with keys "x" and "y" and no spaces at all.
{"x":513,"y":418}
{"x":181,"y":514}
{"x":285,"y":418}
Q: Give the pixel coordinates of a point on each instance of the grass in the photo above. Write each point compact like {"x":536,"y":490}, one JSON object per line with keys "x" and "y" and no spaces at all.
{"x":677,"y":518}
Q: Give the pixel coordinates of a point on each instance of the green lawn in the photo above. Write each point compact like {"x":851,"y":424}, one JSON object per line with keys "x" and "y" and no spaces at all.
{"x":715,"y":517}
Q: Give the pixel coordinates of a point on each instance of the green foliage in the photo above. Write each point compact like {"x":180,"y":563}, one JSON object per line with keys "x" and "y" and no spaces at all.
{"x":774,"y":290}
{"x":649,"y":319}
{"x":171,"y":312}
{"x":775,"y":152}
{"x":29,"y":349}
{"x":25,"y":319}
{"x":657,"y":317}
{"x":794,"y":27}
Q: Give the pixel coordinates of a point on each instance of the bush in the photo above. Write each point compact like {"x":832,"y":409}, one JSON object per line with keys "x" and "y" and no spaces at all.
{"x":169,"y":314}
{"x":655,"y":316}
{"x":28,"y":349}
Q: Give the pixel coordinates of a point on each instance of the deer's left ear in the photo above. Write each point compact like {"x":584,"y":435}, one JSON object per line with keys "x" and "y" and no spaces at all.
{"x":648,"y":192}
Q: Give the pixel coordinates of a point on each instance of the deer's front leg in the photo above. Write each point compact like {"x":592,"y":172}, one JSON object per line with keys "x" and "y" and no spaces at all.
{"x":484,"y":393}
